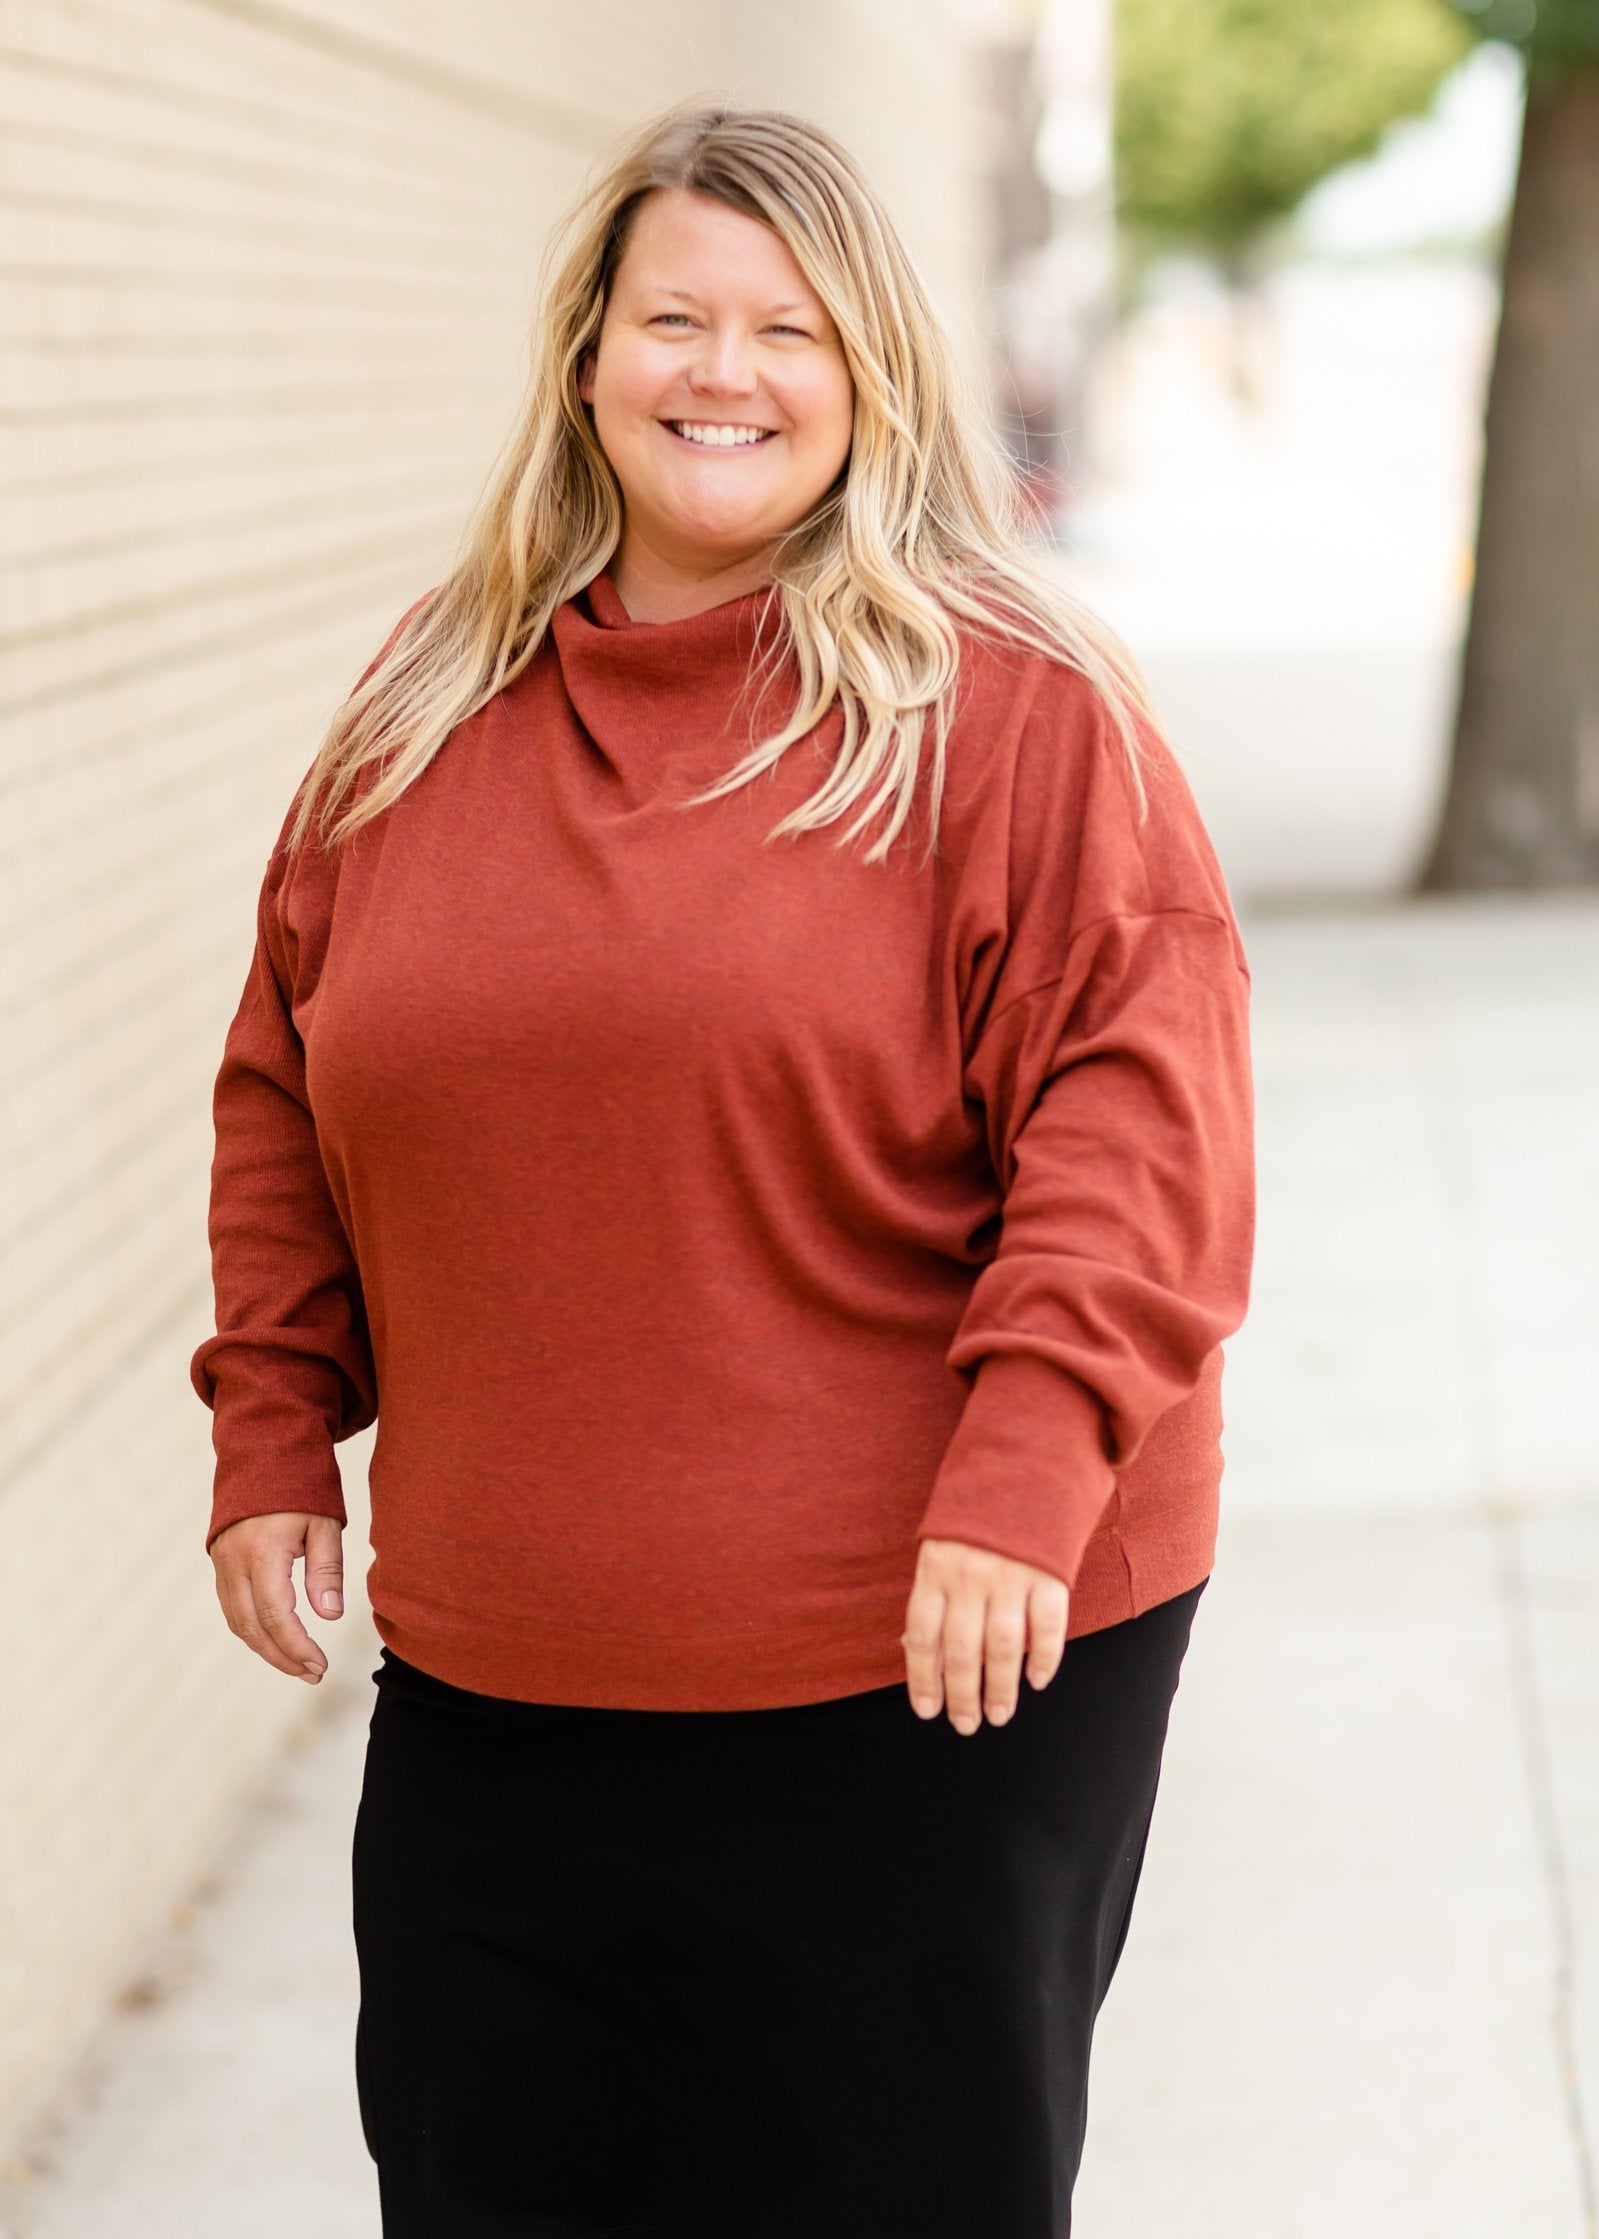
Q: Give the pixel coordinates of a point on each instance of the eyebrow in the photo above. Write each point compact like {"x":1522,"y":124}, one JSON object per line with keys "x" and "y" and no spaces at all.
{"x":773,"y":310}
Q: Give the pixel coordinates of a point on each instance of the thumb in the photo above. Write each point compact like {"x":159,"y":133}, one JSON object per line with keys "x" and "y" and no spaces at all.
{"x":324,"y":1565}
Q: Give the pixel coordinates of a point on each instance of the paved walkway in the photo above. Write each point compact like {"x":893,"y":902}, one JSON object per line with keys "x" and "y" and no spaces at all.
{"x":1360,"y":1991}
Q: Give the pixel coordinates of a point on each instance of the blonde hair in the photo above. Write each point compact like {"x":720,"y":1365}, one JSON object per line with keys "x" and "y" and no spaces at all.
{"x":924,"y":530}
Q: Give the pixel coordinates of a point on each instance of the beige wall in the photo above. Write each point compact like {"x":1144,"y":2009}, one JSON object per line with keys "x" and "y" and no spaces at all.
{"x":267,"y":276}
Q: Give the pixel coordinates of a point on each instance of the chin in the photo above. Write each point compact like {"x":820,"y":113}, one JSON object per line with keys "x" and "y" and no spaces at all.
{"x":722,"y":541}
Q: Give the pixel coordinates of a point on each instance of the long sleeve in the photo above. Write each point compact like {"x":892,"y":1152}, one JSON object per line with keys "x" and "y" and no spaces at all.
{"x":1117,"y":1101}
{"x":289,"y":1370}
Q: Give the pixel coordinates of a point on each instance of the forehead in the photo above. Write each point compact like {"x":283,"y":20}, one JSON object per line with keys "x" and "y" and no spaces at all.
{"x":691,"y":241}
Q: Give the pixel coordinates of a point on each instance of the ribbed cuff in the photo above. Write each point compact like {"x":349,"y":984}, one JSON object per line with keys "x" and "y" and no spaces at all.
{"x":298,"y":1471}
{"x":1025,"y":1473}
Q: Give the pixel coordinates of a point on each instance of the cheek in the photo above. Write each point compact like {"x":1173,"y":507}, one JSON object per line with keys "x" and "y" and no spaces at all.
{"x":825,"y":410}
{"x":625,"y":392}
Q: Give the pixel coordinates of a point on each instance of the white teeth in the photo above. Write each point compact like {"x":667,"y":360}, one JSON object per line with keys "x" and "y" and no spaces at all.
{"x":718,"y":434}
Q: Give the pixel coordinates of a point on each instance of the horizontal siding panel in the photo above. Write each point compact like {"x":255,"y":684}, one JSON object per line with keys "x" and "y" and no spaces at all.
{"x":86,"y":1320}
{"x":158,"y":184}
{"x":197,"y":145}
{"x":55,"y":613}
{"x":197,"y":237}
{"x":88,"y":483}
{"x":586,"y":67}
{"x":135,"y":963}
{"x":90,"y":544}
{"x":114,"y":649}
{"x":184,"y":59}
{"x":54,"y":315}
{"x":73,"y":765}
{"x":158,"y":777}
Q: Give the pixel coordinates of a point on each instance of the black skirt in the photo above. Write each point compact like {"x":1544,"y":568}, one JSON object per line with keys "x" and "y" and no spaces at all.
{"x":819,"y":1972}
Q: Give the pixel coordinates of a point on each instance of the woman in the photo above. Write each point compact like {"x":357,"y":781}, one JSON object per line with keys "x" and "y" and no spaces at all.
{"x":791,"y":1263}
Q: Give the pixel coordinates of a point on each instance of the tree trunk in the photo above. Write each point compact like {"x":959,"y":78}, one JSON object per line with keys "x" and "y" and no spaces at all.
{"x":1522,"y":809}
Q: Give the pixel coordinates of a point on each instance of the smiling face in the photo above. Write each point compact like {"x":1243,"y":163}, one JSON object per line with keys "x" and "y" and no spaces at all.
{"x":721,"y":398}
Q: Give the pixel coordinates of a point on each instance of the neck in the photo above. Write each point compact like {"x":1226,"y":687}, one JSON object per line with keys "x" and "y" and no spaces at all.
{"x":655,"y":587}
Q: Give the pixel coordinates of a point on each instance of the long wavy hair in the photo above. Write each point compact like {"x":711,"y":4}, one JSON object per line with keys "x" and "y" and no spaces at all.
{"x":923,"y":531}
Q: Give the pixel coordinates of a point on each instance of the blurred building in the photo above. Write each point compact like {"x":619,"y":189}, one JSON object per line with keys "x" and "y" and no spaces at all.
{"x":269,"y":273}
{"x":1049,"y":135}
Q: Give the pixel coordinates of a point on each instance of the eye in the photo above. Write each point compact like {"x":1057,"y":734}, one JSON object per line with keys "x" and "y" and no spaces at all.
{"x":802,"y":332}
{"x":664,"y":318}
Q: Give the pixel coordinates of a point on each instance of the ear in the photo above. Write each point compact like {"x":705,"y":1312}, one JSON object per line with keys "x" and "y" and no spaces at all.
{"x":585,"y":377}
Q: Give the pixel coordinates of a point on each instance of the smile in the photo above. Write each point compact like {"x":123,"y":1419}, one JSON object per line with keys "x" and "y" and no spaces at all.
{"x":718,"y":435}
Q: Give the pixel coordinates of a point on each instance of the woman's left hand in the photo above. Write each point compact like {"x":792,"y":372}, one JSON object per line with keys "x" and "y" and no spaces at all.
{"x":971,"y":1618}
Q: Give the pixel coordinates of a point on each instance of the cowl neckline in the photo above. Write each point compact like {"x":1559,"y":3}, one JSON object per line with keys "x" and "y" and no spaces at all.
{"x":606,"y":610}
{"x":650,"y":694}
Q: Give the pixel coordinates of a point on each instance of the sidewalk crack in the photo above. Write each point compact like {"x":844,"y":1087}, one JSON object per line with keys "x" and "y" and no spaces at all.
{"x":1444,"y":1088}
{"x":1515,"y":1603}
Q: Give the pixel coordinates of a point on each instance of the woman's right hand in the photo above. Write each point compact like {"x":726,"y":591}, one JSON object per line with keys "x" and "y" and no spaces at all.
{"x":254,"y":1563}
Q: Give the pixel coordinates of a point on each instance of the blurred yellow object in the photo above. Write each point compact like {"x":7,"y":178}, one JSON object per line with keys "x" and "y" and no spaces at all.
{"x":1465,"y":566}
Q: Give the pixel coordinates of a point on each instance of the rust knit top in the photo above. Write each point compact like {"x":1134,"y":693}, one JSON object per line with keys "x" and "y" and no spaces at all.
{"x":704,"y":1221}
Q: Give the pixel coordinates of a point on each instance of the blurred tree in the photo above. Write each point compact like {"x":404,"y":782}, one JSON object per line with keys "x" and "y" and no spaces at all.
{"x":1522,"y":808}
{"x":1229,"y":111}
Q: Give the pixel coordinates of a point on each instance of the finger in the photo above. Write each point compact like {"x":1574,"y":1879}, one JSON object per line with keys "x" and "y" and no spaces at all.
{"x":1048,"y":1607}
{"x":922,"y":1640}
{"x":233,"y":1591}
{"x":964,"y":1625}
{"x":246,"y":1623}
{"x":233,"y":1594}
{"x":324,"y":1565}
{"x":1004,"y":1643}
{"x":272,"y":1591}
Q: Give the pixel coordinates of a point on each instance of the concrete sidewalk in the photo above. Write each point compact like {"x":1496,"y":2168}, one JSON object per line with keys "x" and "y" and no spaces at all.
{"x":1359,"y":1993}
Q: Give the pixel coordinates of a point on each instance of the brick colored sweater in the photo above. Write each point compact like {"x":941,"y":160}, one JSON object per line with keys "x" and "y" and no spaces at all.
{"x":704,"y":1221}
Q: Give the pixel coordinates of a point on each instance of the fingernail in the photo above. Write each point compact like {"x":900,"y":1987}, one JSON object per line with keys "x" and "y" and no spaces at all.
{"x":966,"y":1723}
{"x":312,"y":1672}
{"x":925,"y":1706}
{"x":332,"y":1602}
{"x":998,"y":1713}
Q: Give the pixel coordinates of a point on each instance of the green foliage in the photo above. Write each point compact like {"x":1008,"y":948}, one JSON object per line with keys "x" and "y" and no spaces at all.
{"x":1557,"y":36}
{"x":1229,"y":111}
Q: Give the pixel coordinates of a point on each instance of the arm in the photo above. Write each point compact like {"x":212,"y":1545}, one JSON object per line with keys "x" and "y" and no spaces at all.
{"x":290,"y":1368}
{"x":1119,"y":1110}
{"x":1110,"y":1062}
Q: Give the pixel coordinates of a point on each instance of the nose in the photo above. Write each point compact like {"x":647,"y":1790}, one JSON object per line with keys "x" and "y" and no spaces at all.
{"x":725,"y":364}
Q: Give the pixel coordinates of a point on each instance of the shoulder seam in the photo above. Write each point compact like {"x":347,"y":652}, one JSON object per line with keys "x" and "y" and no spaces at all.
{"x":1112,"y":917}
